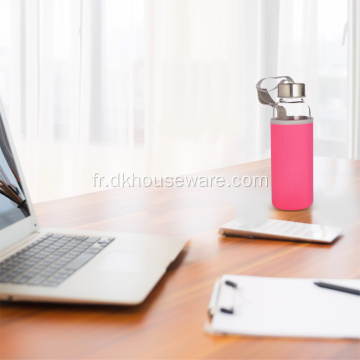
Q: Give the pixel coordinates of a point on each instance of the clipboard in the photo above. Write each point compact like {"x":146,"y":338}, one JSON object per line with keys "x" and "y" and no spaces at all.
{"x":286,"y":307}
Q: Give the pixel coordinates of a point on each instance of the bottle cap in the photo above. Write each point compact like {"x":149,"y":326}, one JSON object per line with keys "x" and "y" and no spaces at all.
{"x":291,"y":90}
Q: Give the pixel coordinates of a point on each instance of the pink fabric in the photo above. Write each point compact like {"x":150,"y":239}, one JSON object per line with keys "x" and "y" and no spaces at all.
{"x":292,"y":166}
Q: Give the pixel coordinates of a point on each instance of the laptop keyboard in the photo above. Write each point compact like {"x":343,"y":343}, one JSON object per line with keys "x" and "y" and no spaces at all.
{"x":51,"y":259}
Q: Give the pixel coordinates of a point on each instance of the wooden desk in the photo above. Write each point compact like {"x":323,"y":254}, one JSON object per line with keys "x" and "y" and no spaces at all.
{"x":170,"y":322}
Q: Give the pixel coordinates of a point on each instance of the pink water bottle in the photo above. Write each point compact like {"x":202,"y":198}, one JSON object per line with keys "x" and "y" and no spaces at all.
{"x":291,"y":146}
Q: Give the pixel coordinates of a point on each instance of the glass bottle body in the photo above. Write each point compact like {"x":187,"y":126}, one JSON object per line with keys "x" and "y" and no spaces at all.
{"x":291,"y":109}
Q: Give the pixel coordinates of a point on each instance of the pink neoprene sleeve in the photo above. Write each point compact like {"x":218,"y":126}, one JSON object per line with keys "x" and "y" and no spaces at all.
{"x":292,"y":166}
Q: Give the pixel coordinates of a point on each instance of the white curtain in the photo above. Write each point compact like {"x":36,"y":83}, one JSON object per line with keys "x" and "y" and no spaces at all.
{"x":73,"y":87}
{"x":165,"y":87}
{"x":204,"y":58}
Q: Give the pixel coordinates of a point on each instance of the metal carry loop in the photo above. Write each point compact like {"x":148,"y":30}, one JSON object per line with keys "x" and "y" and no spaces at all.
{"x":263,"y":94}
{"x":265,"y":98}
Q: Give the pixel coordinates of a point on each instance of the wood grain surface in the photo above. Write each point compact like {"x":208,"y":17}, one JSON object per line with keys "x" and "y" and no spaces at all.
{"x":169,"y":324}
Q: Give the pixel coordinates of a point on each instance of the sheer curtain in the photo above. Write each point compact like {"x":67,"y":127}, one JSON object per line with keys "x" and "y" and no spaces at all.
{"x":167,"y":87}
{"x":204,"y":58}
{"x":72,"y":80}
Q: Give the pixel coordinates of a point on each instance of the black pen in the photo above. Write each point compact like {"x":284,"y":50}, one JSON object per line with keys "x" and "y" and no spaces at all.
{"x":338,"y":288}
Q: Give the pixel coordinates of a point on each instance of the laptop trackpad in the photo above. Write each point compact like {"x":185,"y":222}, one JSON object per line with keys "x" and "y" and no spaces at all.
{"x":124,"y":262}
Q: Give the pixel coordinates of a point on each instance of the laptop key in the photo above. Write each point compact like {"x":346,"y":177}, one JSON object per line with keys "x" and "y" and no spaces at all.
{"x":48,"y":273}
{"x":106,"y":241}
{"x":68,"y":238}
{"x":32,"y":273}
{"x":5,"y":268}
{"x":22,"y":279}
{"x":57,"y":277}
{"x":37,"y":280}
{"x":79,"y":261}
{"x":22,"y":269}
{"x":65,"y":272}
{"x":6,"y":279}
{"x":51,"y":283}
{"x":91,"y":240}
{"x":31,"y":262}
{"x":77,"y":252}
{"x":81,"y":238}
{"x":63,"y":261}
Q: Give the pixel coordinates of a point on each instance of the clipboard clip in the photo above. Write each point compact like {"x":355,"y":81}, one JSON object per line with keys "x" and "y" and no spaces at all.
{"x":214,"y":301}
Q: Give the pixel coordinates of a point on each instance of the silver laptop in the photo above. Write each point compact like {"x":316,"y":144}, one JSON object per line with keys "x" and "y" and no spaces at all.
{"x":67,"y":265}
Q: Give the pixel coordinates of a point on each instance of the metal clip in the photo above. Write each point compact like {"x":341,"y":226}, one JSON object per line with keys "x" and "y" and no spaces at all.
{"x":213,"y":305}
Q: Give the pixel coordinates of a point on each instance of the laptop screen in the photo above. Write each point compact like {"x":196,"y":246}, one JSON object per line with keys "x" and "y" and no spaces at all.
{"x":13,"y":205}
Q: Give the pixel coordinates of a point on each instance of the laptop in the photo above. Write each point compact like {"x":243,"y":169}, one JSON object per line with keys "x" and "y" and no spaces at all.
{"x":58,"y":265}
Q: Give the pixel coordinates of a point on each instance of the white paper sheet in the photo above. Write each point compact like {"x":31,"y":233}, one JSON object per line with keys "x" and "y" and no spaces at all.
{"x":287,"y":307}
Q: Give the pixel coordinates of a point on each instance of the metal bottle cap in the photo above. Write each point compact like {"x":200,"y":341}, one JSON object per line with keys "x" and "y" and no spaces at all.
{"x":291,"y":90}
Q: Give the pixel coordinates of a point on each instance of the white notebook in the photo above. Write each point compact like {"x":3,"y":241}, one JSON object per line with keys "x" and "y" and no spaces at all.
{"x":286,"y":307}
